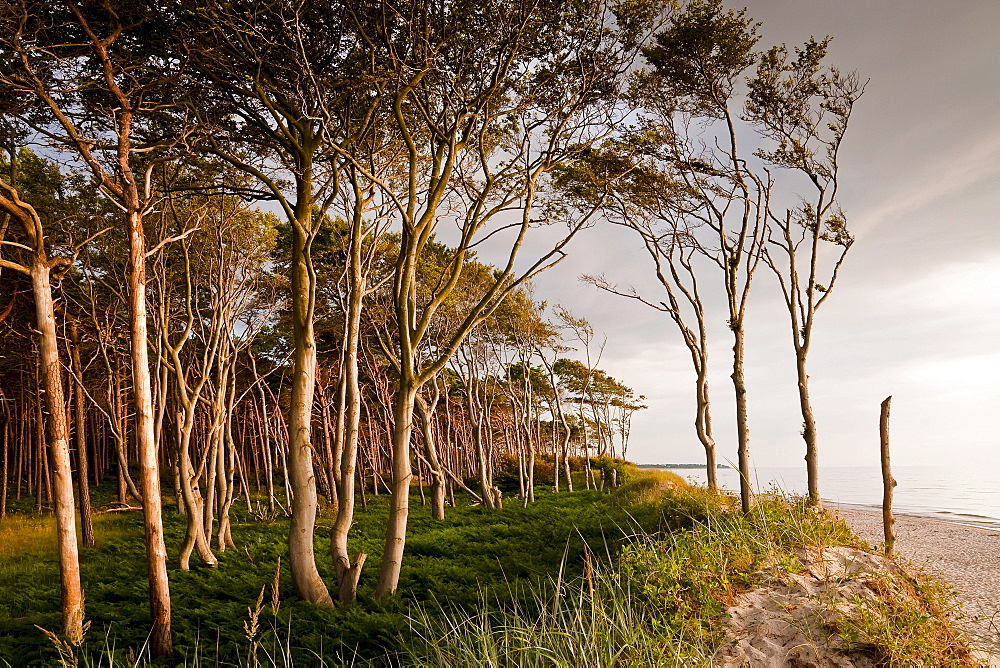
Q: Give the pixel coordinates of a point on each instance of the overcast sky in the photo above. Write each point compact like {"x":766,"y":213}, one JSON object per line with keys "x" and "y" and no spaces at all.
{"x":917,"y":312}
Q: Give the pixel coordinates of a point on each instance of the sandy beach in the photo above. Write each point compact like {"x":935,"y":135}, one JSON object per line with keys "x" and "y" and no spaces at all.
{"x":966,"y":557}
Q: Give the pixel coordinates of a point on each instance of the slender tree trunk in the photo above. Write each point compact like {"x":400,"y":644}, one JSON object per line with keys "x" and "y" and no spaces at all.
{"x":211,"y":480}
{"x":567,"y":471}
{"x":195,"y":536}
{"x":302,"y":557}
{"x":349,"y":573}
{"x":117,"y":422}
{"x":399,"y":508}
{"x":225,"y":535}
{"x":268,"y":453}
{"x":80,"y":418}
{"x":703,"y":425}
{"x":5,"y":454}
{"x":531,"y":470}
{"x":160,"y":637}
{"x":41,"y":451}
{"x":58,"y":431}
{"x":20,"y":455}
{"x":476,"y":418}
{"x":329,"y":447}
{"x":742,"y":423}
{"x":433,"y":462}
{"x":808,"y":427}
{"x":586,"y":444}
{"x":563,"y":449}
{"x":556,"y":456}
{"x":888,"y":482}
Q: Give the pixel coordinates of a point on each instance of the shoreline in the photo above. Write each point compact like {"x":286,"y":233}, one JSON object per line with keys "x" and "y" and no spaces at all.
{"x":933,"y":493}
{"x":911,"y":514}
{"x":964,"y":556}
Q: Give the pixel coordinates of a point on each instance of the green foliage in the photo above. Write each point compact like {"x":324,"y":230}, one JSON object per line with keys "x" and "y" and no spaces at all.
{"x":644,"y":486}
{"x":702,"y":54}
{"x":506,"y":475}
{"x":660,"y":600}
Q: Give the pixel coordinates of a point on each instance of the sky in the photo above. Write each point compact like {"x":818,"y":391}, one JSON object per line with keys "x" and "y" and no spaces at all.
{"x":916,"y":313}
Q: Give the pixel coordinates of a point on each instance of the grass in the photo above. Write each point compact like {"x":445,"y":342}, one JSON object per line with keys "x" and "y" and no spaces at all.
{"x":639,"y":576}
{"x":909,"y":624}
{"x":707,"y":551}
{"x":594,"y":620}
{"x":660,"y":600}
{"x":450,"y":560}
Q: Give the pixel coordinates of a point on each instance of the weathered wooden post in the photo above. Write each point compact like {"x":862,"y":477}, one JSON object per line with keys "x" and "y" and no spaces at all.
{"x":888,"y":482}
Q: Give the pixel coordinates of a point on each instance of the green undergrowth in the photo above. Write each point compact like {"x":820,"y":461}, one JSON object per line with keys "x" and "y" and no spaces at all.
{"x":641,"y":575}
{"x":474,"y":550}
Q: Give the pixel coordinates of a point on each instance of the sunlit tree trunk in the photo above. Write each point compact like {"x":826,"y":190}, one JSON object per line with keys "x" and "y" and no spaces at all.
{"x":58,"y":431}
{"x":152,"y":506}
{"x":349,"y":573}
{"x":302,"y":558}
{"x":50,"y":386}
{"x":703,"y":426}
{"x":402,"y":473}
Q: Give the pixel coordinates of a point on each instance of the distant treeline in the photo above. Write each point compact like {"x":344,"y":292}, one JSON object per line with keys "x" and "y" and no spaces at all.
{"x":680,"y":466}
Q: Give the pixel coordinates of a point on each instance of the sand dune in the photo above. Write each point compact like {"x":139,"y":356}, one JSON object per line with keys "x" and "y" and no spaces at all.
{"x":966,"y":557}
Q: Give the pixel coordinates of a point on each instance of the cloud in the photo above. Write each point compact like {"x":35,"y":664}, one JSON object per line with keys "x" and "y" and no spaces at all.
{"x":969,"y":166}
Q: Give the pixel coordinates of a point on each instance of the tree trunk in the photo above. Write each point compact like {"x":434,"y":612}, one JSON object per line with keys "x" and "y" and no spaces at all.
{"x":160,"y":638}
{"x":476,"y":418}
{"x":58,"y":432}
{"x":211,"y":469}
{"x":5,"y":454}
{"x":556,"y":456}
{"x":80,"y":418}
{"x":433,"y":462}
{"x":742,"y":424}
{"x":330,"y":446}
{"x":308,"y":584}
{"x":195,"y":536}
{"x":348,"y":574}
{"x":808,"y":428}
{"x":229,"y":472}
{"x":399,"y":508}
{"x":888,"y":482}
{"x":703,"y":425}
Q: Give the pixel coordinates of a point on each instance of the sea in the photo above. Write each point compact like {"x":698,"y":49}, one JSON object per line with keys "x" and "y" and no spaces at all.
{"x":963,"y":496}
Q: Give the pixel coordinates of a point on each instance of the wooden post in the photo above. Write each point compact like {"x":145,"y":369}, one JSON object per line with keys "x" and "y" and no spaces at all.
{"x":888,"y":482}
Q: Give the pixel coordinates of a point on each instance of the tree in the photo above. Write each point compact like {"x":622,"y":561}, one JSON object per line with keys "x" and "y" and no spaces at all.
{"x":40,"y":267}
{"x":690,"y":92}
{"x":485,"y":115}
{"x":89,"y":93}
{"x":804,"y":109}
{"x":370,"y":213}
{"x":208,"y":291}
{"x":273,"y":88}
{"x":520,"y":323}
{"x":650,"y":201}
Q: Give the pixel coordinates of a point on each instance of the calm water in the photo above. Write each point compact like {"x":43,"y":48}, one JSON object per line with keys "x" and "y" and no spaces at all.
{"x":954,"y":495}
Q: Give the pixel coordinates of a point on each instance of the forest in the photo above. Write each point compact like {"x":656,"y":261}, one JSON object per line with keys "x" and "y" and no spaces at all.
{"x":267,"y":282}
